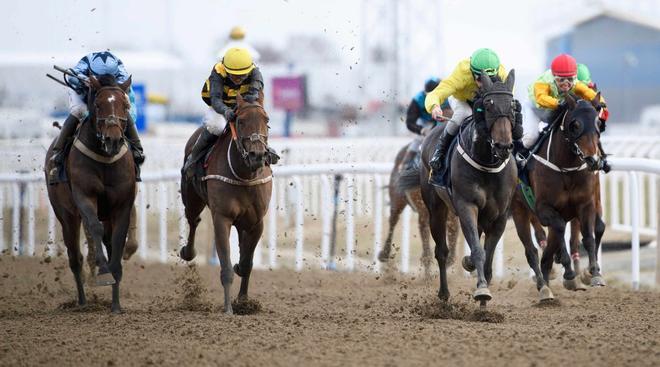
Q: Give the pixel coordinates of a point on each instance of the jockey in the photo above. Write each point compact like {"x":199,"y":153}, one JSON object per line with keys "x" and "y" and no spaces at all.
{"x":460,"y":89}
{"x":235,"y":74}
{"x":584,"y":75}
{"x":548,"y":92}
{"x":418,"y":121}
{"x":97,"y":64}
{"x":237,"y":40}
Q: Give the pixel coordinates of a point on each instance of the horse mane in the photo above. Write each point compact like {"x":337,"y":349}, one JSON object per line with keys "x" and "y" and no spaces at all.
{"x":107,"y":80}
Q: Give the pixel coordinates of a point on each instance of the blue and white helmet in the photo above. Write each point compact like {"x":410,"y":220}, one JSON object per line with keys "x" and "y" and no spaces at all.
{"x":104,"y":63}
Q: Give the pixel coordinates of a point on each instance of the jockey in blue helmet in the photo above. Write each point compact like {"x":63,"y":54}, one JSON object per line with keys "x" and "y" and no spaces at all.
{"x":97,"y":64}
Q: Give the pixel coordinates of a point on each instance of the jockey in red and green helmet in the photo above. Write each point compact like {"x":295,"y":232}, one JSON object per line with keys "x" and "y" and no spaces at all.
{"x":548,"y":92}
{"x":584,"y":75}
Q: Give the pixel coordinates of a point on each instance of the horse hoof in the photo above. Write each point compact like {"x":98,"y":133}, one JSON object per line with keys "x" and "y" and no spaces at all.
{"x":229,"y":311}
{"x":104,"y":279}
{"x":482,"y":294}
{"x":598,"y":281}
{"x":129,"y":250}
{"x":545,"y":294}
{"x":467,"y":264}
{"x":586,"y":277}
{"x":117,"y":311}
{"x":573,"y":285}
{"x":237,"y":270}
{"x":186,"y":253}
{"x":383,"y":256}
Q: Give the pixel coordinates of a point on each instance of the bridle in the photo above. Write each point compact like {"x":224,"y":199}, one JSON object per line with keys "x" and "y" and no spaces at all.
{"x":112,"y":119}
{"x":490,"y":120}
{"x":254,"y":137}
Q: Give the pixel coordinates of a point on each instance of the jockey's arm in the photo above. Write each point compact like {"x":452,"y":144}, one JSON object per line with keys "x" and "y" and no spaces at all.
{"x":584,"y":92}
{"x":446,"y":88}
{"x":257,"y":84}
{"x":131,"y":99}
{"x":543,"y":97}
{"x":412,"y":114}
{"x":215,"y":92}
{"x":81,"y":68}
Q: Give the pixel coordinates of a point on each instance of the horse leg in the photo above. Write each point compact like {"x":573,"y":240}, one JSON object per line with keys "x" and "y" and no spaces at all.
{"x":119,"y":230}
{"x":556,"y":227}
{"x":94,"y":228}
{"x":452,"y":236}
{"x":493,"y":235}
{"x":424,"y":233}
{"x":194,"y":205}
{"x":91,"y":257}
{"x":522,"y":218}
{"x":588,"y":220}
{"x":221,"y":228}
{"x":438,"y":228}
{"x":539,"y":233}
{"x":397,"y":204}
{"x":468,"y":217}
{"x":248,"y":241}
{"x":107,"y":237}
{"x":599,"y":230}
{"x":131,"y":243}
{"x":71,"y":233}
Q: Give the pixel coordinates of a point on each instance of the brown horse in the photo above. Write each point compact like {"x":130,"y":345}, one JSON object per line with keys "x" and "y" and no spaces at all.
{"x":398,"y":202}
{"x":101,"y":188}
{"x":238,"y":189}
{"x":565,"y":185}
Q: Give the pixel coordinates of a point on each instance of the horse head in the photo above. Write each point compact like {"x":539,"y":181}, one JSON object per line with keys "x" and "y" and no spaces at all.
{"x":251,"y":132}
{"x":110,"y":111}
{"x":580,"y":126}
{"x":497,"y":97}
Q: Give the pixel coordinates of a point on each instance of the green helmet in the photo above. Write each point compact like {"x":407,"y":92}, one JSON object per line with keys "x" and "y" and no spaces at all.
{"x":484,"y":60}
{"x":583,"y":73}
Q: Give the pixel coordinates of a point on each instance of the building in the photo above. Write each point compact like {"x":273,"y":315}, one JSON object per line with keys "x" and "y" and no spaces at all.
{"x":623,"y":54}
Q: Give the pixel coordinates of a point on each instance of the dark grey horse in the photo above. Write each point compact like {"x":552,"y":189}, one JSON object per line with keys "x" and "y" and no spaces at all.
{"x":483,"y":178}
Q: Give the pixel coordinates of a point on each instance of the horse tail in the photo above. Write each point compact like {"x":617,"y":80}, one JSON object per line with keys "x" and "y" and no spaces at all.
{"x":408,"y":179}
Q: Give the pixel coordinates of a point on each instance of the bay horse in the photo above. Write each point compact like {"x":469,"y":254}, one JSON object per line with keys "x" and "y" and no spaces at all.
{"x":398,"y":201}
{"x":101,"y":188}
{"x":482,"y":176}
{"x":563,"y":177}
{"x":238,"y":190}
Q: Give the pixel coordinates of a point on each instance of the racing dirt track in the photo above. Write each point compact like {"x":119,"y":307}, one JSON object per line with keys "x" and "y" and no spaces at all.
{"x":314,"y":318}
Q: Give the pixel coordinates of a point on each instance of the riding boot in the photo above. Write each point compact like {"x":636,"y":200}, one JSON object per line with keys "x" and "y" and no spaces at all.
{"x":272,"y":156}
{"x":204,"y":140}
{"x":57,"y":159}
{"x":438,"y":160}
{"x":521,"y":154}
{"x":133,"y":139}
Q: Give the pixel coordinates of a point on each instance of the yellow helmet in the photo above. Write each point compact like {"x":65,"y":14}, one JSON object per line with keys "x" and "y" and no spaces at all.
{"x":237,"y":33}
{"x":238,"y":61}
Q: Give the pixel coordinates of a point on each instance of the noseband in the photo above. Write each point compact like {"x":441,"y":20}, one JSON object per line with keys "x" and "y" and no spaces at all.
{"x":254,"y":137}
{"x":112,"y":119}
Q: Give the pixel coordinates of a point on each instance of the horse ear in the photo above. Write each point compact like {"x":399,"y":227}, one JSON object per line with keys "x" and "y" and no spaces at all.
{"x":485,"y":81}
{"x":510,"y":80}
{"x":93,"y":82}
{"x":572,"y":103}
{"x":127,"y":84}
{"x":596,"y":101}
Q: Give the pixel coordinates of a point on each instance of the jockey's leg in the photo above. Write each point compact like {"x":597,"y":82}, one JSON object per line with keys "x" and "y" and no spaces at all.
{"x":57,"y":159}
{"x":133,"y":138}
{"x":408,"y":159}
{"x":461,"y":111}
{"x":213,"y":126}
{"x":530,"y":125}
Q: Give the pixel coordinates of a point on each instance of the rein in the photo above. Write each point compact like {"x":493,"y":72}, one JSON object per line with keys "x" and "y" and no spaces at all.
{"x":236,"y":138}
{"x":575,"y":148}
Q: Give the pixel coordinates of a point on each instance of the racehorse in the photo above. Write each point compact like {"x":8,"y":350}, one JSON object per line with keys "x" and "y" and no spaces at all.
{"x":563,"y":178}
{"x":482,"y":178}
{"x":398,"y":202}
{"x":238,"y":186}
{"x":101,"y":188}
